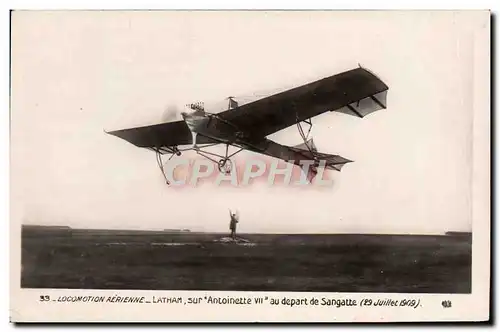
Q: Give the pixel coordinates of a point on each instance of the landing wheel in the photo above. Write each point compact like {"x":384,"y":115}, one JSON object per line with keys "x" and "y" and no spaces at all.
{"x":225,"y":166}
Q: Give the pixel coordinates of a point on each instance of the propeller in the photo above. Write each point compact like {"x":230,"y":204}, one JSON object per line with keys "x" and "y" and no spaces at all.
{"x":171,"y":112}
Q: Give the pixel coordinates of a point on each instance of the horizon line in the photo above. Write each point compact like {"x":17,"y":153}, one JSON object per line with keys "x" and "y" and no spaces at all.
{"x":187,"y":231}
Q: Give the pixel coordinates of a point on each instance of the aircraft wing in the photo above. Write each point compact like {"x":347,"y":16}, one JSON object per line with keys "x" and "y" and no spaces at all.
{"x":356,"y":92}
{"x":160,"y":135}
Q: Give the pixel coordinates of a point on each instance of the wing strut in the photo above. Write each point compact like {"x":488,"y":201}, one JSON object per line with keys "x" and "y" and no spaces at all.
{"x":305,"y":136}
{"x":173,"y":150}
{"x":160,"y":164}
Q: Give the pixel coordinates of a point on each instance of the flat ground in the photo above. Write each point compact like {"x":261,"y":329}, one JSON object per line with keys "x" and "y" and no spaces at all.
{"x":89,"y":259}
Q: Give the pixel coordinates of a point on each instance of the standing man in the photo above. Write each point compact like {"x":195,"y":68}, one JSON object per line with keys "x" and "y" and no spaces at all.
{"x":232,"y":224}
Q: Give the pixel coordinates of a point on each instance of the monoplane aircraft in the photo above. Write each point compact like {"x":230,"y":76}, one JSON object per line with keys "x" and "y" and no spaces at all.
{"x":356,"y":92}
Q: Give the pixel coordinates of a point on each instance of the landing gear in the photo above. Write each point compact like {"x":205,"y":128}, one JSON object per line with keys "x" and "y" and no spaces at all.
{"x":224,"y":162}
{"x":225,"y":166}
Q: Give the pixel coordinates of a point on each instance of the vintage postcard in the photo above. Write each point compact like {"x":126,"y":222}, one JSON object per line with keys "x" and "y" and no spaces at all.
{"x":250,"y":166}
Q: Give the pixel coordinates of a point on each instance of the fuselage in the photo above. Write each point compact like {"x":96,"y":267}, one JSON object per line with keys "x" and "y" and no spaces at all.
{"x":196,"y":121}
{"x":220,"y":130}
{"x":209,"y":125}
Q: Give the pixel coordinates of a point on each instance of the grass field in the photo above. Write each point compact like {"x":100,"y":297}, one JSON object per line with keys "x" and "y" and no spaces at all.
{"x":54,"y":258}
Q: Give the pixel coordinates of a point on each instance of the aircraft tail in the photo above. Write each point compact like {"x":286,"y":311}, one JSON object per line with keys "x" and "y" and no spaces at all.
{"x":309,"y":151}
{"x":302,"y":152}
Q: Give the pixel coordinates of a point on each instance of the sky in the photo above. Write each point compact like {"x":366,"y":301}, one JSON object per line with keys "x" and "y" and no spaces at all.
{"x":77,"y":74}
